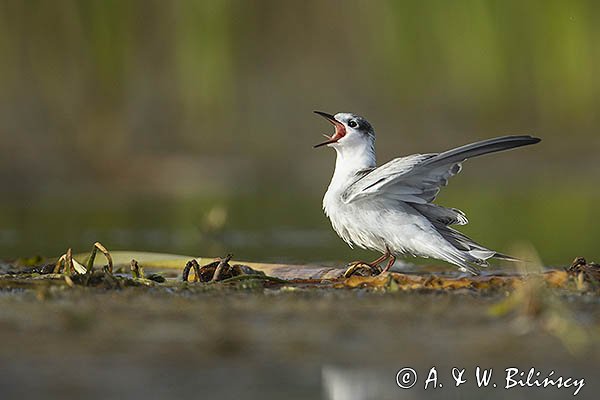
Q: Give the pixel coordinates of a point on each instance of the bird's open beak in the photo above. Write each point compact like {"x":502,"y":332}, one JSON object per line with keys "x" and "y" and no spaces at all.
{"x":340,"y":129}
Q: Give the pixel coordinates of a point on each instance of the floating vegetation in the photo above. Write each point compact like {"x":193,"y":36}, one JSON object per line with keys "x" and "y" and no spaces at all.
{"x":559,"y":303}
{"x":218,"y":270}
{"x":587,"y":275}
{"x":150,"y":269}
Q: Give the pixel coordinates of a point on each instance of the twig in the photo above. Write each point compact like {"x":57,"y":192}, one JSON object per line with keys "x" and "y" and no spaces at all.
{"x":187,"y":268}
{"x":59,"y":263}
{"x":66,"y":262}
{"x":137,"y":271}
{"x":223,"y":263}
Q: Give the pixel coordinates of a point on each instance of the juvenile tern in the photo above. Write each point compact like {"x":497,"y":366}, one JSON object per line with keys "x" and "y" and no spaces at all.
{"x":389,"y":209}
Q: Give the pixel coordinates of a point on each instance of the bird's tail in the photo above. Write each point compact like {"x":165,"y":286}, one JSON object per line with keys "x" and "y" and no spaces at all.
{"x":468,"y":254}
{"x":506,"y":257}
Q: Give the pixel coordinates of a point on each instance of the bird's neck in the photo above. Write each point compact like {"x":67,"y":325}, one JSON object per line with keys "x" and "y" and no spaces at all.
{"x":349,"y":161}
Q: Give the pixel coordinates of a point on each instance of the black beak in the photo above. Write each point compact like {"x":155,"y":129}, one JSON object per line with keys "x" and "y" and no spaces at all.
{"x":328,"y":117}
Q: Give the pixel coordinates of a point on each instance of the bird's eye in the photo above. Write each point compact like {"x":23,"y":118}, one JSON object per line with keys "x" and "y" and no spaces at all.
{"x":352,"y":124}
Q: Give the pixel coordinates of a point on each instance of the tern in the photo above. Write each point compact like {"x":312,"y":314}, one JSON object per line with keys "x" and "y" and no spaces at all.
{"x":389,"y":209}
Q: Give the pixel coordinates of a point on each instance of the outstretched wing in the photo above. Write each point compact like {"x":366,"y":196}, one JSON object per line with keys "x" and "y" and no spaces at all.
{"x":418,"y":178}
{"x":390,"y":180}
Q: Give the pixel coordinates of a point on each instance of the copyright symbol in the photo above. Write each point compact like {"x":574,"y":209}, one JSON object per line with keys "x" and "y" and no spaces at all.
{"x":406,"y":378}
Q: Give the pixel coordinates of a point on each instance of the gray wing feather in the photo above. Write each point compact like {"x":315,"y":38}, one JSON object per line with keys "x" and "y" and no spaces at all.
{"x":418,"y":178}
{"x":370,"y":181}
{"x":442,"y":215}
{"x":480,"y":148}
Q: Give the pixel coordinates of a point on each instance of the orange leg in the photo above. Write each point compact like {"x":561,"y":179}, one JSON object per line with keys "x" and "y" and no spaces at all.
{"x":374,"y":265}
{"x":389,"y":263}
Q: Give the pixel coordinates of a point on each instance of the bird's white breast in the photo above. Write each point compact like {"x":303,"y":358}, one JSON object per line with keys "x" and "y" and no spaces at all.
{"x":356,"y":224}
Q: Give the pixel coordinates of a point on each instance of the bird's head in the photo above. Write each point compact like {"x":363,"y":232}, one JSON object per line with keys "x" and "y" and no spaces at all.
{"x":351,"y":131}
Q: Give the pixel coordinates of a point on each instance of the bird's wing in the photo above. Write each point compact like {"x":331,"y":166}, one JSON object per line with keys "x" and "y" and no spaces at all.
{"x":418,"y":178}
{"x":387,"y":180}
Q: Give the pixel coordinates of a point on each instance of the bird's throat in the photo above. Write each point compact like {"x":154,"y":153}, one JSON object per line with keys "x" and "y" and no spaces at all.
{"x":350,"y":160}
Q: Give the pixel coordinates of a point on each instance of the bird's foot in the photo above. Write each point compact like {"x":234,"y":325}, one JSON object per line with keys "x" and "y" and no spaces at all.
{"x":362,"y":268}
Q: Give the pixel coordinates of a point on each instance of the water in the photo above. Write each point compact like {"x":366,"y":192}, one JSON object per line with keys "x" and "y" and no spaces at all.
{"x":283,"y":227}
{"x":269,"y":344}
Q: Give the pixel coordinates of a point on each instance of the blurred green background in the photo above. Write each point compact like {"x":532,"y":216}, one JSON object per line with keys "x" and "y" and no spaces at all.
{"x":186,"y":126}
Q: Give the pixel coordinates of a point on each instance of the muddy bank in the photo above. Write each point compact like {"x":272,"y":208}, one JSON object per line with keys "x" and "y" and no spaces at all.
{"x":260,"y":338}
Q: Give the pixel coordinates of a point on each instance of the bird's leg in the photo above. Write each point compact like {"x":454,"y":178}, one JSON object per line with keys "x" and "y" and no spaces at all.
{"x":373,"y":265}
{"x":389,"y":263}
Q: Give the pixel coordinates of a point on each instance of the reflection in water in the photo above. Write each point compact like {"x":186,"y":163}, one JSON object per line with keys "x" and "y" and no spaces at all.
{"x":360,"y":384}
{"x":350,"y":383}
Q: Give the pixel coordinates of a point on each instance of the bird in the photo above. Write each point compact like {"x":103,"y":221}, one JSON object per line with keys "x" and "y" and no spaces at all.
{"x":389,"y":209}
